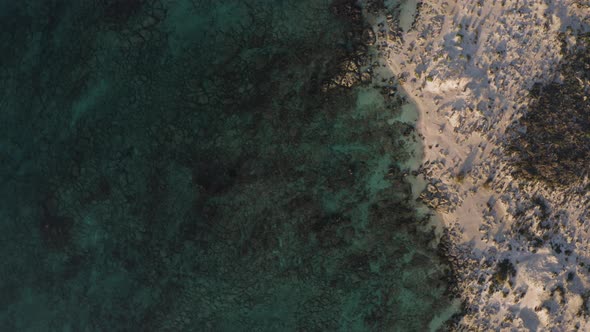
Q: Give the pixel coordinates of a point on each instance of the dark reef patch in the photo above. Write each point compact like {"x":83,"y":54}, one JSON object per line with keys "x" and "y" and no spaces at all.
{"x":206,"y":165}
{"x":119,"y":11}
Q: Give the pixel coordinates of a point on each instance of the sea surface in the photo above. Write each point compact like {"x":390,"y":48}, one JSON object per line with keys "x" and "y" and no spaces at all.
{"x":196,"y":165}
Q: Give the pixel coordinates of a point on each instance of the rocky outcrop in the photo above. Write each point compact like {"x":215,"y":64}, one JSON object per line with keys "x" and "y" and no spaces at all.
{"x":439,"y":197}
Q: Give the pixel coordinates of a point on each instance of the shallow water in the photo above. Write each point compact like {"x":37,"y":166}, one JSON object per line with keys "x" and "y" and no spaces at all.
{"x":203,"y":165}
{"x":408,"y":9}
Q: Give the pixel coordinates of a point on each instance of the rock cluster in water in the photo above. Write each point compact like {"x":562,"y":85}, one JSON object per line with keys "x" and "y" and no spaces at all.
{"x":205,"y":165}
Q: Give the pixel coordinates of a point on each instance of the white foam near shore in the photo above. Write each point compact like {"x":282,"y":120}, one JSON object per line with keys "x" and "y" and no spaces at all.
{"x":468,"y":66}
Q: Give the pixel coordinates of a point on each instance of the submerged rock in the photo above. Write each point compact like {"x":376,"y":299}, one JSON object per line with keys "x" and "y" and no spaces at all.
{"x":202,"y":176}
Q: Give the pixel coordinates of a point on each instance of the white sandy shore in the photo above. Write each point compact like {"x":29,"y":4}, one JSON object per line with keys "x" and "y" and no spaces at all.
{"x":468,"y":66}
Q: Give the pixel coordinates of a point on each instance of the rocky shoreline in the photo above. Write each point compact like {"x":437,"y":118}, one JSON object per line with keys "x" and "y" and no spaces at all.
{"x":480,"y":74}
{"x":221,"y":166}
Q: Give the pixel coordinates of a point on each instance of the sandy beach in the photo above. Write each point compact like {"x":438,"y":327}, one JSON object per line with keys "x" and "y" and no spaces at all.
{"x":468,"y":68}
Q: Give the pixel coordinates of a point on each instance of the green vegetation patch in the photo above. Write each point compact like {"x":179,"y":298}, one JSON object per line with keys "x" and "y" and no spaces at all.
{"x":555,"y":145}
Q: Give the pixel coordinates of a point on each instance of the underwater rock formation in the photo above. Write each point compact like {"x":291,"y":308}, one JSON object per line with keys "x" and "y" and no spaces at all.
{"x":206,"y":165}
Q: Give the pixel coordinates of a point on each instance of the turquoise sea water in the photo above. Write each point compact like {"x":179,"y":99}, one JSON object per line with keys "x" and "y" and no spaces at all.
{"x":204,"y":166}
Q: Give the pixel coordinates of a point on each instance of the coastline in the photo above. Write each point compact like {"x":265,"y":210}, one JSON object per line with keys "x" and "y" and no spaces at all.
{"x":226,"y":166}
{"x":312,"y":166}
{"x":463,"y":67}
